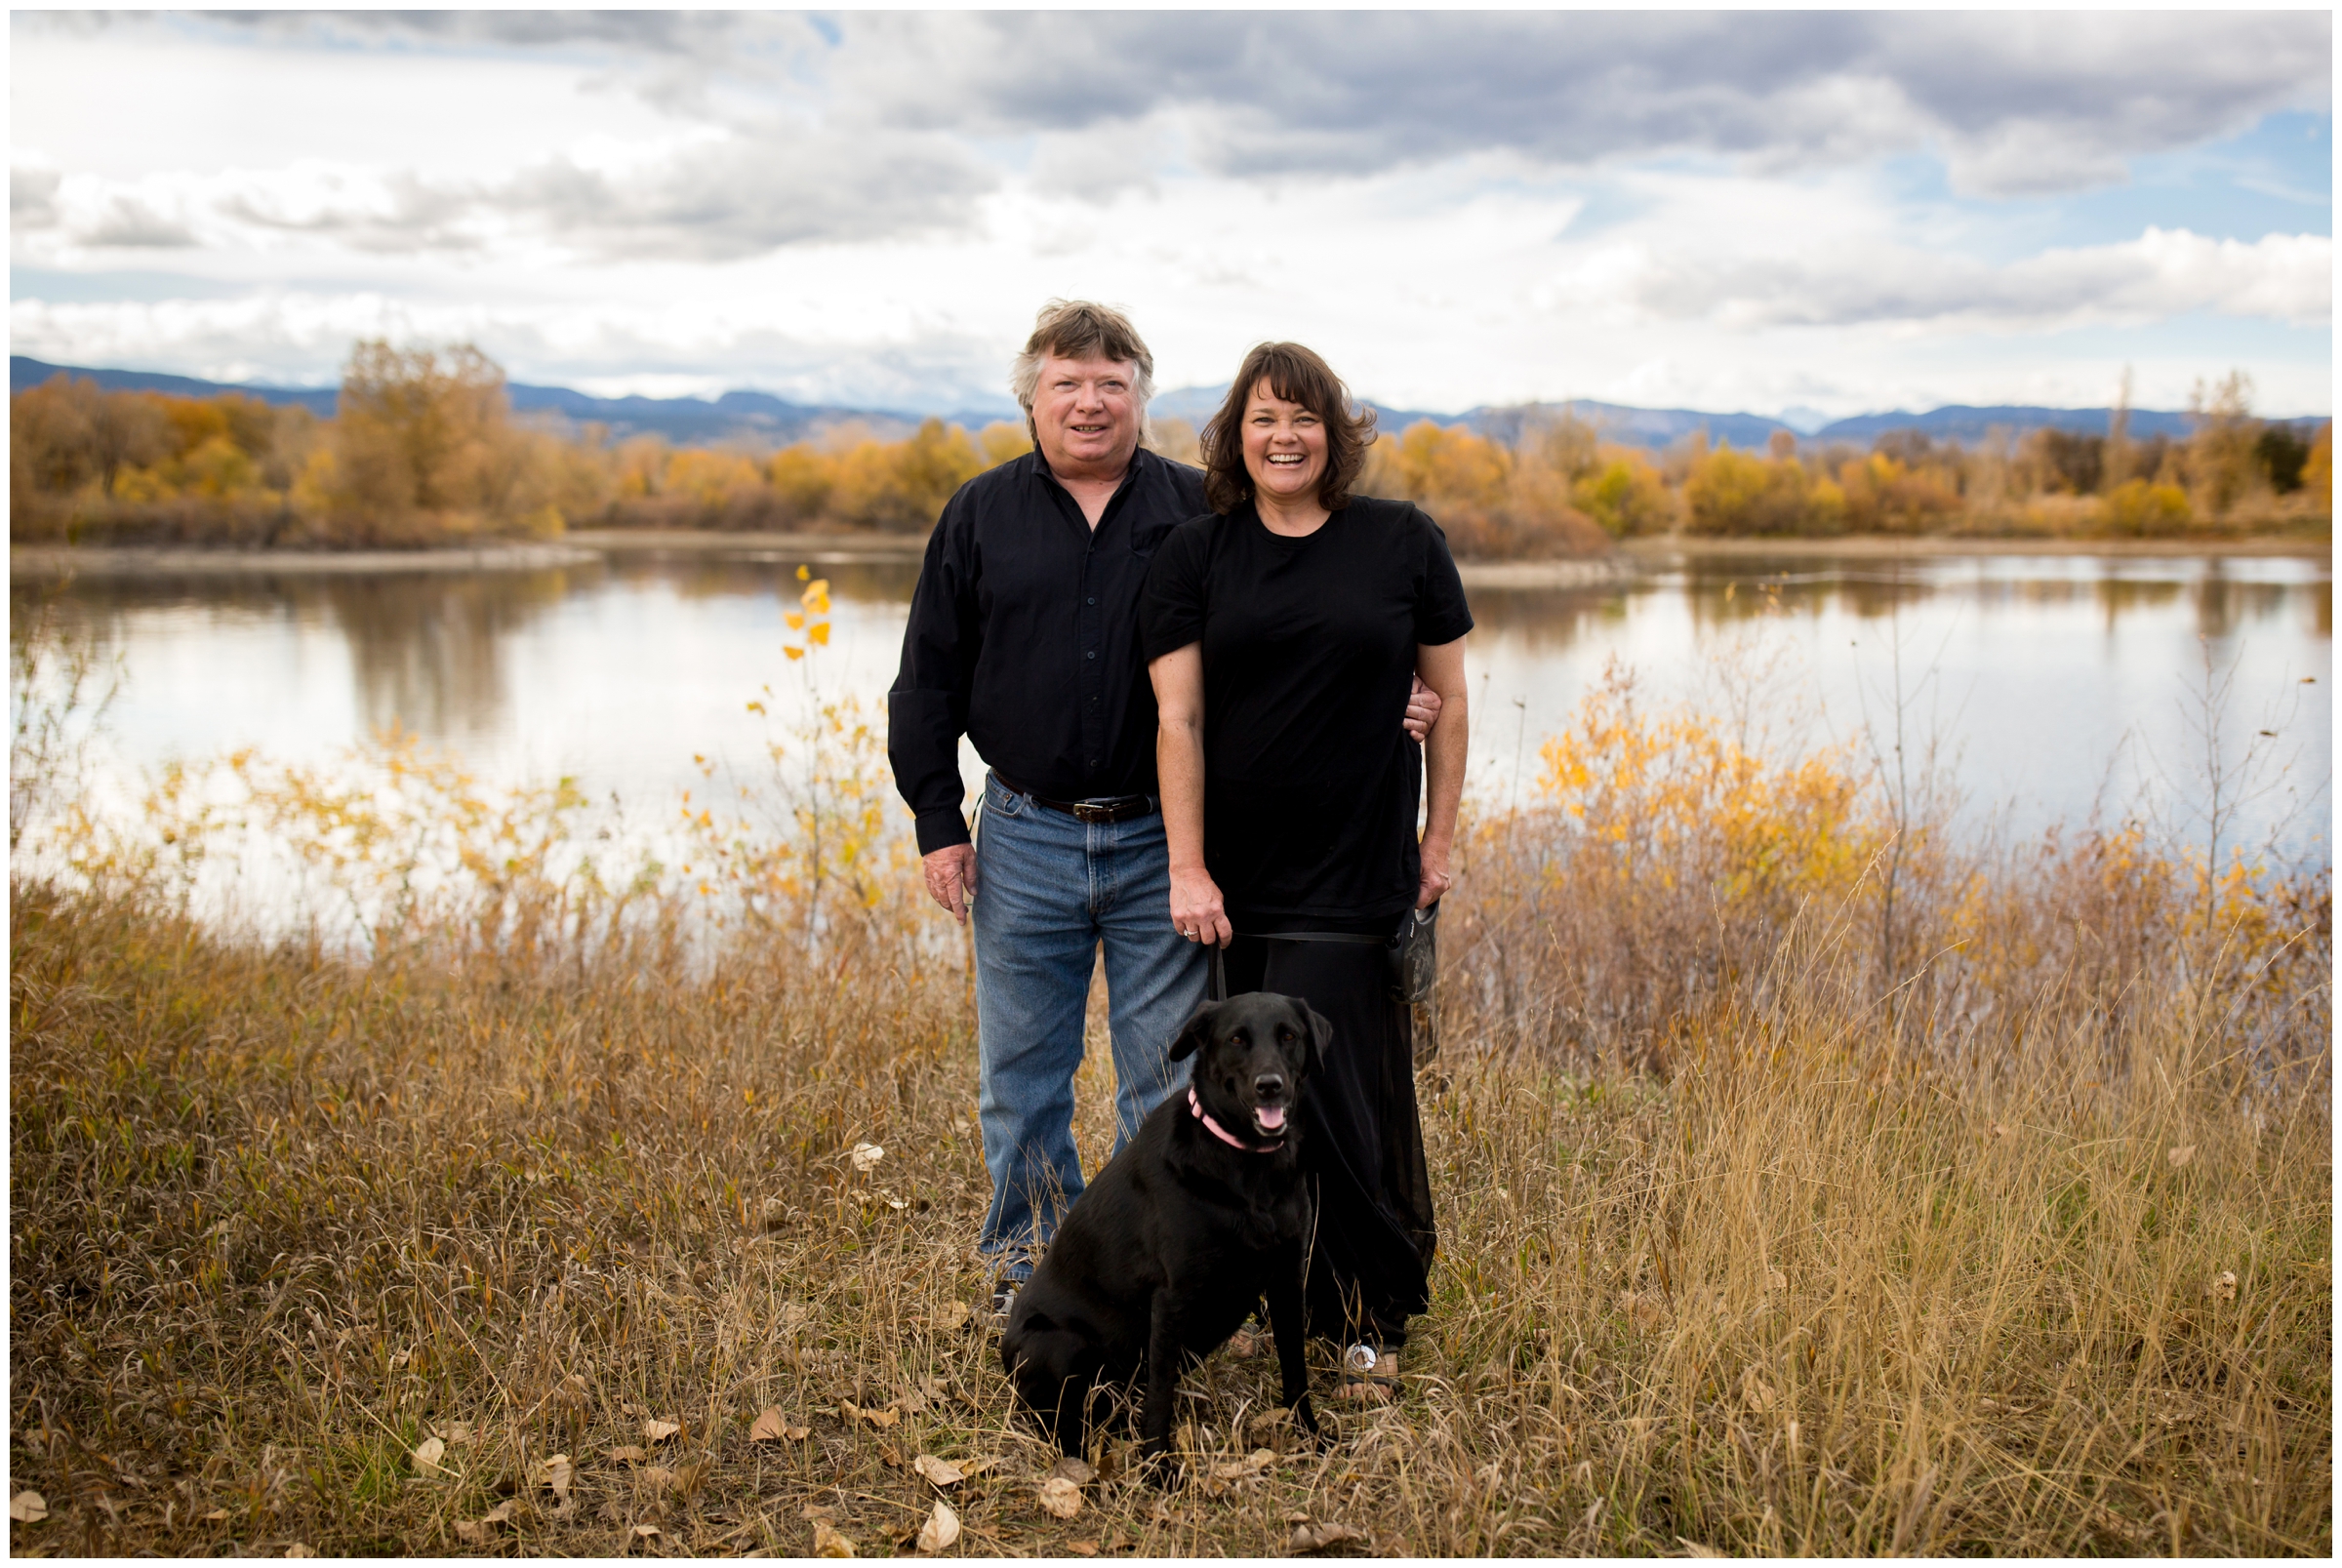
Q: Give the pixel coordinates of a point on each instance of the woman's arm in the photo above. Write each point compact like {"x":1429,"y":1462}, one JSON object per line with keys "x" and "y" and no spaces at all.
{"x":1442,"y":671}
{"x":1196,"y":908}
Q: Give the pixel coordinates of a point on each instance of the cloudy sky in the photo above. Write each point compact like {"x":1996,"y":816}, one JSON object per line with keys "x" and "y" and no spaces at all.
{"x":1827,"y":212}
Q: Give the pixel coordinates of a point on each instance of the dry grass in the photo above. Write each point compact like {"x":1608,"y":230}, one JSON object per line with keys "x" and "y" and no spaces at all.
{"x":2028,"y":1251}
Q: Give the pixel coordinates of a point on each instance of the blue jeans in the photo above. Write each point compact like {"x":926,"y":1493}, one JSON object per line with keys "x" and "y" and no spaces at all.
{"x":1048,"y":890}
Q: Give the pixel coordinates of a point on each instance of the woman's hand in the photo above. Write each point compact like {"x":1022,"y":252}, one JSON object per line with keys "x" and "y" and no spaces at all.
{"x":1196,"y":912}
{"x":1422,"y":711}
{"x":1435,"y":879}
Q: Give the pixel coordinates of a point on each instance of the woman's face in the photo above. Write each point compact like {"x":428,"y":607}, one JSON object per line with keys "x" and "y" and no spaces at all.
{"x":1284,"y":446}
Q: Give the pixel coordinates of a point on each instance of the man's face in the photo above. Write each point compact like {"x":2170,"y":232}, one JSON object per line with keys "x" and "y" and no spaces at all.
{"x":1085,"y":414}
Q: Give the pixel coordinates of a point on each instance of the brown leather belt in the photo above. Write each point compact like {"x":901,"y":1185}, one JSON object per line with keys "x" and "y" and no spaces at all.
{"x":1111,"y":809}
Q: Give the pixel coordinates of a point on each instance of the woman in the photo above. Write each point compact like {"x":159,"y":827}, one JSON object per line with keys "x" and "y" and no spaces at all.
{"x":1281,"y":632}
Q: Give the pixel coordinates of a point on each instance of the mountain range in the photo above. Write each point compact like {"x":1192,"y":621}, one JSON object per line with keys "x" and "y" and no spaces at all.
{"x":764,"y":419}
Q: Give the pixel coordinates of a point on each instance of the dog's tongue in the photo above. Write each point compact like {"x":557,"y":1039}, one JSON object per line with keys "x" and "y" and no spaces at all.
{"x":1271,"y":1118}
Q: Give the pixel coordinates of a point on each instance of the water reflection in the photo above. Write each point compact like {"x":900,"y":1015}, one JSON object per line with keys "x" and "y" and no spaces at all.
{"x":620,"y":672}
{"x":424,"y":649}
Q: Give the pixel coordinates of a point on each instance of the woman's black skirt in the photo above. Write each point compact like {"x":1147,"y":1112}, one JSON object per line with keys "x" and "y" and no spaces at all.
{"x":1369,"y":1267}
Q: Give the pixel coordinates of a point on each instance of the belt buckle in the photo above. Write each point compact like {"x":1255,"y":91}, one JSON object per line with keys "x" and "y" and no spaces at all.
{"x":1087,"y":811}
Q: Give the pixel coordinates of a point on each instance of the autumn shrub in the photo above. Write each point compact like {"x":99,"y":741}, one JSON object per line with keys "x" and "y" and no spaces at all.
{"x":2139,"y":509}
{"x":1625,"y":496}
{"x":1887,"y":495}
{"x":1731,"y":492}
{"x":1492,"y":501}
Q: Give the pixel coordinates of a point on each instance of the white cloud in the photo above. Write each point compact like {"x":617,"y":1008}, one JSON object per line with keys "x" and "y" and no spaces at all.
{"x":1672,"y":208}
{"x":2163,"y":273}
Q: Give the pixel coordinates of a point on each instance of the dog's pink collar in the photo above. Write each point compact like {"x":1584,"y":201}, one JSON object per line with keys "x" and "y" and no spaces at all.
{"x":1196,"y":1106}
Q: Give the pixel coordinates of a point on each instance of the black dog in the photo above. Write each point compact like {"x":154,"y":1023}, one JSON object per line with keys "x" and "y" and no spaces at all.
{"x":1203,"y":1214}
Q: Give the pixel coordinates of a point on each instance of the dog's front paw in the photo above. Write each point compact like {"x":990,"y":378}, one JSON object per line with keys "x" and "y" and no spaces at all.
{"x":1159,"y":1468}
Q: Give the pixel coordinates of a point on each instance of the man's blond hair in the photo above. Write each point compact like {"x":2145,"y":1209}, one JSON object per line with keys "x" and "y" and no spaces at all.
{"x":1079,"y":329}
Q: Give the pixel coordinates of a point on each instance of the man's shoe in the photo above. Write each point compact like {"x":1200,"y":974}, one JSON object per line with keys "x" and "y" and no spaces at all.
{"x":996,"y":1320}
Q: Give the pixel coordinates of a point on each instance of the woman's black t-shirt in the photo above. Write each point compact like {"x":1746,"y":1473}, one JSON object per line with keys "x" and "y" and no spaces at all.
{"x":1310,"y":786}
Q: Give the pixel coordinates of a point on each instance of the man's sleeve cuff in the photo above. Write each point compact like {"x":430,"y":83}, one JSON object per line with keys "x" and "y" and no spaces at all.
{"x":941,"y":829}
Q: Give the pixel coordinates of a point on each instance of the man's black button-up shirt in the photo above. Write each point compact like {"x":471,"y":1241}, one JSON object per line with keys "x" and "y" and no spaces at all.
{"x":1023,"y":636}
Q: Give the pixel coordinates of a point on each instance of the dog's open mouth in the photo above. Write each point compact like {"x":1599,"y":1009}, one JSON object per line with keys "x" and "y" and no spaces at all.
{"x":1268,"y":1119}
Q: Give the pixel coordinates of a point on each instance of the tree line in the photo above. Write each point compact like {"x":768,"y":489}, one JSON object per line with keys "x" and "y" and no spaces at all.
{"x":424,"y":449}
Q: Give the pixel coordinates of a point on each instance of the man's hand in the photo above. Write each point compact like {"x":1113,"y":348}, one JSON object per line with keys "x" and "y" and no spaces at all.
{"x":952,"y":878}
{"x":1422,"y":711}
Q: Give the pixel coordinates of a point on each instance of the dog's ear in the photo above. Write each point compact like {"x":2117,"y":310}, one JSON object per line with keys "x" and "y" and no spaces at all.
{"x":1320,"y":1037}
{"x":1197,"y":1029}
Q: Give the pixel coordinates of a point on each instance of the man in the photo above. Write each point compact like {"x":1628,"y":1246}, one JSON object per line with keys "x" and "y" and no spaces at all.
{"x":1023,"y":636}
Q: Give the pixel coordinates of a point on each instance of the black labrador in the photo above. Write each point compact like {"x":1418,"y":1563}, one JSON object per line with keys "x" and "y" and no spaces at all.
{"x":1200,"y":1216}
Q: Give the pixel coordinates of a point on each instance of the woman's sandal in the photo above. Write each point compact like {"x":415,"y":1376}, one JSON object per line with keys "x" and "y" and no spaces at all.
{"x":1369,"y":1376}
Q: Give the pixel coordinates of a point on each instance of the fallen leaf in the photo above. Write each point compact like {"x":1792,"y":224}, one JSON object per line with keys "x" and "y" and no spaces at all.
{"x":658,"y":1432}
{"x":2180,"y":1155}
{"x":1087,"y":1548}
{"x":428,"y":1453}
{"x":941,"y":1530}
{"x":644,"y":1532}
{"x":769,"y":1426}
{"x":972,"y":1468}
{"x":1775,"y":1279}
{"x":940,"y":1471}
{"x":828,"y":1542}
{"x":889,"y":1456}
{"x":1693,"y":1548}
{"x":956,"y":1314}
{"x":1999,"y":1130}
{"x":301,"y":1549}
{"x":1061,"y":1497}
{"x":910,"y":1404}
{"x":502,"y":1512}
{"x":472,"y":1532}
{"x":1236,"y":1469}
{"x":455,"y":1432}
{"x":553,"y":1472}
{"x":628,"y":1407}
{"x":627,"y":1454}
{"x":2224,"y":1289}
{"x":1318,"y":1537}
{"x":659,"y":1478}
{"x":1076,"y":1470}
{"x":30,"y":1507}
{"x":216,"y":1516}
{"x":876,"y":1417}
{"x":821,"y":1512}
{"x":866,"y":1156}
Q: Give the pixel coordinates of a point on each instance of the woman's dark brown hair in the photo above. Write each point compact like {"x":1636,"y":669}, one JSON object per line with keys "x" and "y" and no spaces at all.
{"x":1298,"y":376}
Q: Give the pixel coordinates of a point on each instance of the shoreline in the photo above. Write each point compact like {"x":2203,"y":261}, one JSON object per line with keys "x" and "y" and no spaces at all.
{"x":594,"y":546}
{"x":1888,"y":546}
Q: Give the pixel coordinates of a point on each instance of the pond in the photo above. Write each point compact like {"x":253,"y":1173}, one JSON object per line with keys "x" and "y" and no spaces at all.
{"x":2046,"y":688}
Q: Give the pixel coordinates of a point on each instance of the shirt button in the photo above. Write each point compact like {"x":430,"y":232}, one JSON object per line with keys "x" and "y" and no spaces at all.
{"x":1093,"y":652}
{"x":1093,"y":600}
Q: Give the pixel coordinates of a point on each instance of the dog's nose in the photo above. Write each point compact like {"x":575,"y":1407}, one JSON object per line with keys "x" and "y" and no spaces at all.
{"x":1268,"y":1085}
